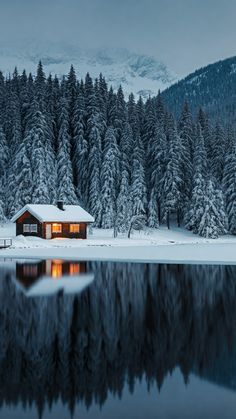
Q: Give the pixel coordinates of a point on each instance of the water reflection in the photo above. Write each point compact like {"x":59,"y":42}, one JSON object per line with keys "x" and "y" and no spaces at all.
{"x":133,"y":321}
{"x":37,"y":277}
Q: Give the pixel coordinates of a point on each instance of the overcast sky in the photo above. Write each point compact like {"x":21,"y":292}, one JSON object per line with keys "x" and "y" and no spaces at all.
{"x":184,"y":34}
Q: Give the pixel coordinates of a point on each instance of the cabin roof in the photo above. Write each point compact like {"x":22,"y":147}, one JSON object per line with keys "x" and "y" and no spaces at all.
{"x":51,"y":213}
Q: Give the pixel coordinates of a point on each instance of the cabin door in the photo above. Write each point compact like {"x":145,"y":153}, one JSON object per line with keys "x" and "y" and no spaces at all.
{"x":48,"y":231}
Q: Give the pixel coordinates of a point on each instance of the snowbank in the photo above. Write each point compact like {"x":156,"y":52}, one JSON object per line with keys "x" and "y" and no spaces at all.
{"x":166,"y":246}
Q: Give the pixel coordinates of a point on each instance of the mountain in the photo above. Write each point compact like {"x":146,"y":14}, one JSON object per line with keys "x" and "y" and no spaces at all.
{"x":140,"y":74}
{"x":213,"y":88}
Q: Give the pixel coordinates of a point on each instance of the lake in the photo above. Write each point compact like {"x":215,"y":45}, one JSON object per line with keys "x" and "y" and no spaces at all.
{"x":117,"y":340}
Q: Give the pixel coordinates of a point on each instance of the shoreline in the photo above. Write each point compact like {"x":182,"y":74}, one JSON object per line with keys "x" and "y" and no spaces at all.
{"x":179,"y":253}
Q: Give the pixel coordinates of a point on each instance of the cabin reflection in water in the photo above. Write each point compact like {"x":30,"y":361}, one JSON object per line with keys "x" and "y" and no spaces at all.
{"x":39,"y":276}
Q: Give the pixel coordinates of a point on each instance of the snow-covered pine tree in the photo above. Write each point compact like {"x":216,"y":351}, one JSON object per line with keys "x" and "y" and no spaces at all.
{"x":80,"y":148}
{"x":40,"y":118}
{"x":213,"y":220}
{"x":35,"y":142}
{"x":200,"y":162}
{"x":94,"y":171}
{"x":71,"y":93}
{"x":186,"y":133}
{"x":206,"y":128}
{"x":4,"y":153}
{"x":40,"y":87}
{"x":149,"y":123}
{"x":120,"y":114}
{"x":110,"y":177}
{"x":218,"y":153}
{"x":153,"y":221}
{"x":229,"y":181}
{"x":4,"y":160}
{"x":3,"y":100}
{"x":172,"y":181}
{"x":13,"y":131}
{"x":132,"y":114}
{"x":23,"y":178}
{"x":65,"y":190}
{"x":138,"y":179}
{"x":111,"y":107}
{"x":196,"y":206}
{"x":140,"y":112}
{"x":195,"y":210}
{"x":123,"y":199}
{"x":157,"y":155}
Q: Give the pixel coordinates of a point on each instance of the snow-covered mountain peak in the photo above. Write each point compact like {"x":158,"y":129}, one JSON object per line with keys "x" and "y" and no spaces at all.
{"x":140,"y":74}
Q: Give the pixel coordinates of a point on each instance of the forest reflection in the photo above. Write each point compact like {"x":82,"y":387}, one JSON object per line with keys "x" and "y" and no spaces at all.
{"x":134,"y":321}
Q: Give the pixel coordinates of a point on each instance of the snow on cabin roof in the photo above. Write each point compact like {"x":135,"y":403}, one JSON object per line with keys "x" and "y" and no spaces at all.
{"x":70,"y":213}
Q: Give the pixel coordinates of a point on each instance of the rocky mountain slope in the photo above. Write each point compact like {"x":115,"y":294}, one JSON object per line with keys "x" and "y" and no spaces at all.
{"x":212,"y":87}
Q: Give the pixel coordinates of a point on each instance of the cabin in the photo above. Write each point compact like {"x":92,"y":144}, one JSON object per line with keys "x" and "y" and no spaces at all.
{"x":52,"y":221}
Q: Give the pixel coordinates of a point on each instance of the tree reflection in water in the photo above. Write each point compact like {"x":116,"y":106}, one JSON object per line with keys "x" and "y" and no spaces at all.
{"x":134,"y":321}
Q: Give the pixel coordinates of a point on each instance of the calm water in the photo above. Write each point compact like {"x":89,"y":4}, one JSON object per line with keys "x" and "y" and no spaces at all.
{"x":112,"y":340}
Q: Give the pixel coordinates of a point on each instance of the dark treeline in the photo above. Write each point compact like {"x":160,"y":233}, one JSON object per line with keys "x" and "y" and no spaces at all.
{"x":135,"y":321}
{"x":128,"y":163}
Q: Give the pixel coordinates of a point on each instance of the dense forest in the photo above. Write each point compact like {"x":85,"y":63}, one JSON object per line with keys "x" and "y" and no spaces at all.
{"x":130,"y":164}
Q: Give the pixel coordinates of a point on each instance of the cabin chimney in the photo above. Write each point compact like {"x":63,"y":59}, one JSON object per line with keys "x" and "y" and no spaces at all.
{"x":60,"y":205}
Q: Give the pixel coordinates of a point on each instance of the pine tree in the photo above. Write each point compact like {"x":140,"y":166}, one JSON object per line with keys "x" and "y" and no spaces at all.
{"x":194,"y":213}
{"x":229,"y":182}
{"x":186,"y":133}
{"x":157,"y":156}
{"x":218,"y":153}
{"x":213,"y":220}
{"x":152,"y":211}
{"x":94,"y":172}
{"x":23,"y":178}
{"x":172,"y":181}
{"x":80,"y":148}
{"x":120,"y":114}
{"x":66,"y":190}
{"x":138,"y":181}
{"x":123,"y":199}
{"x":109,"y":177}
{"x":196,"y":207}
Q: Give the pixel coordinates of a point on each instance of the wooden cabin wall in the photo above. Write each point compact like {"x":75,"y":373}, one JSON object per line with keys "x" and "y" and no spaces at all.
{"x":65,"y":233}
{"x":27,"y":218}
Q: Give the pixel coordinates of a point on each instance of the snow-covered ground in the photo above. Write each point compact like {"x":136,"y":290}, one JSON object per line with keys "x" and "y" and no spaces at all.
{"x":162,"y":245}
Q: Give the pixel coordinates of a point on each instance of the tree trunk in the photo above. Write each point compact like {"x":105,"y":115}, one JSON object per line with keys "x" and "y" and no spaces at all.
{"x":178,"y":218}
{"x":129,"y":231}
{"x":168,"y":220}
{"x":159,"y":212}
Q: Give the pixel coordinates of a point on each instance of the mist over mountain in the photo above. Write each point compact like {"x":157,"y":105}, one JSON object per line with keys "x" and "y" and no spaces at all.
{"x":213,"y":88}
{"x":141,"y":74}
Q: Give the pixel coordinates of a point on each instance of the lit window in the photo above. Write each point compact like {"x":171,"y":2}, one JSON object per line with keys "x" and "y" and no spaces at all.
{"x":56,"y":269}
{"x":26,"y":228}
{"x":74,"y":268}
{"x":74,"y":228}
{"x":56,"y":228}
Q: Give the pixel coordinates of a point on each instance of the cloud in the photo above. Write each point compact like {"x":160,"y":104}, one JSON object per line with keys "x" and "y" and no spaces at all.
{"x":184,"y":33}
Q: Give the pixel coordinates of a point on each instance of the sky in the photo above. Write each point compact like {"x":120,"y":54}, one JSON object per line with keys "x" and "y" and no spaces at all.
{"x":184,"y":34}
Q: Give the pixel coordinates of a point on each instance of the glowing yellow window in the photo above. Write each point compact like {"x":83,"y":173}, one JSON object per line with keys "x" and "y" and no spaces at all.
{"x":74,"y":228}
{"x":56,"y":228}
{"x":74,"y":268}
{"x":56,"y":269}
